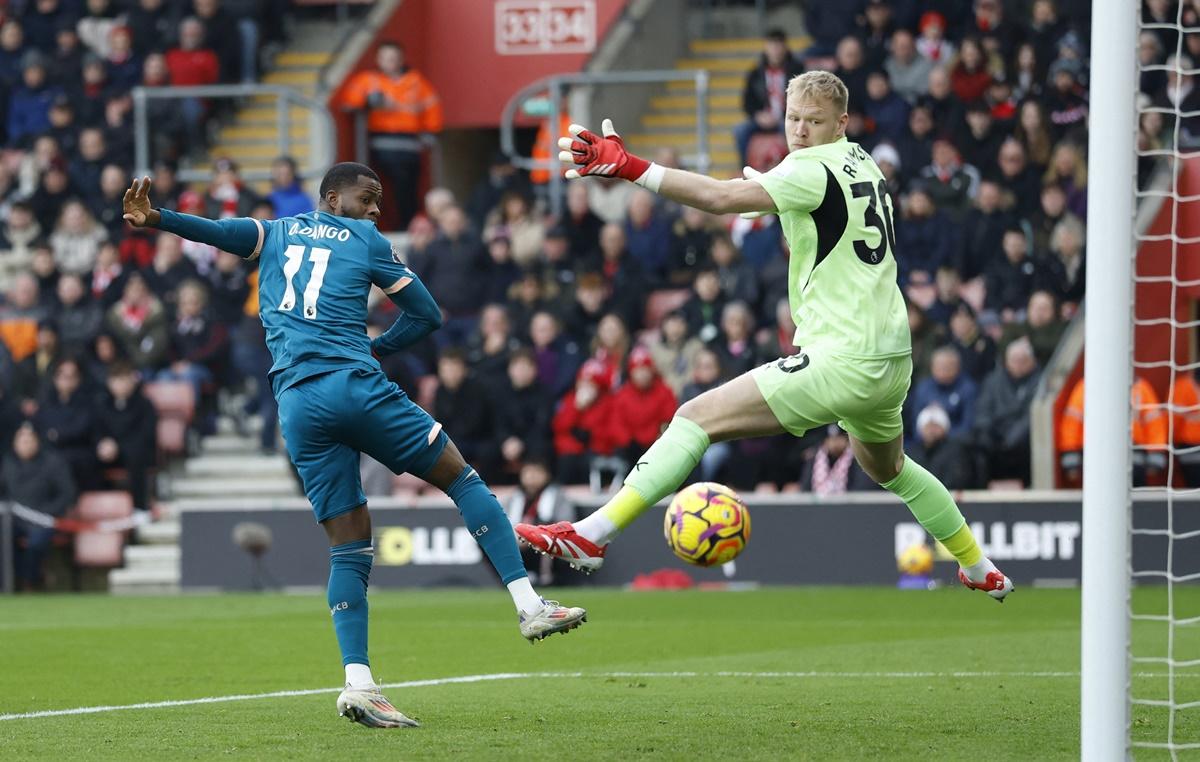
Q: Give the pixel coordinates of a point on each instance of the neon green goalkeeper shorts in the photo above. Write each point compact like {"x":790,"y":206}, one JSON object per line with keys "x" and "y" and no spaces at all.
{"x":815,"y":388}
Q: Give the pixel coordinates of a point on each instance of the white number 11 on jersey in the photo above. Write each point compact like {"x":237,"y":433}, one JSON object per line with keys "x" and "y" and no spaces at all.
{"x":295,"y":258}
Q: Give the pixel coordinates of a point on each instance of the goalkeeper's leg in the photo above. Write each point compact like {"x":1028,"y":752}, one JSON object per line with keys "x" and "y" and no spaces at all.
{"x":935,"y":509}
{"x":731,"y":411}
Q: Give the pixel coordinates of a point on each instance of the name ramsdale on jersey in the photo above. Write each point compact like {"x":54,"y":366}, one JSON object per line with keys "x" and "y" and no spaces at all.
{"x":854,"y":156}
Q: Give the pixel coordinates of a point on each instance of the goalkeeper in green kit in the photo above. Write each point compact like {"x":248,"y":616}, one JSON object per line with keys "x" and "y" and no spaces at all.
{"x":855,"y":362}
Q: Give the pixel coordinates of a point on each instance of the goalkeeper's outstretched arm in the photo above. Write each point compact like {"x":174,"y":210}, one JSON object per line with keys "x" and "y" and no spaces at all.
{"x":590,"y":154}
{"x":242,"y":236}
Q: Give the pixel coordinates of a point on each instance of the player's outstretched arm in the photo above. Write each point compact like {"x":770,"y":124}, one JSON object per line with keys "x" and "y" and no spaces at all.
{"x":242,"y":236}
{"x":591,"y":155}
{"x":419,"y":317}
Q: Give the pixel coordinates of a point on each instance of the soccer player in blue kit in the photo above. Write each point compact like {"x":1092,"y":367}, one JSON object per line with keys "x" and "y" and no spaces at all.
{"x":315,"y":272}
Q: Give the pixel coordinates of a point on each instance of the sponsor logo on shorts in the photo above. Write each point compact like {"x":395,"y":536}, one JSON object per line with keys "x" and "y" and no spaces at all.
{"x":793,"y":363}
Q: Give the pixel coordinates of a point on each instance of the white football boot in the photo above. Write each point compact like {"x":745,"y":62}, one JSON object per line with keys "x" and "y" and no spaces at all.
{"x":551,"y":618}
{"x":368,"y":706}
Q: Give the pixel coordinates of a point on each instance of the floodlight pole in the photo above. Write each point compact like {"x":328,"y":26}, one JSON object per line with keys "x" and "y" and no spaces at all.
{"x":1104,"y":663}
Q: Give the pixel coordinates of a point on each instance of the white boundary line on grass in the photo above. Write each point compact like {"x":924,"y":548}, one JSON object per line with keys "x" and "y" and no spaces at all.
{"x":538,"y":676}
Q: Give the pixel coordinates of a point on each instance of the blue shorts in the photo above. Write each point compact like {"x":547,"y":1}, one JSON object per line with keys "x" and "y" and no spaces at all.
{"x":327,"y":420}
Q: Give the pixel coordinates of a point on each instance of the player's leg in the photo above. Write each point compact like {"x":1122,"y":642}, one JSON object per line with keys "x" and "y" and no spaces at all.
{"x":488,"y":524}
{"x":876,"y":431}
{"x":329,"y":472}
{"x":935,"y":509}
{"x":734,"y":410}
{"x":350,"y":560}
{"x":391,"y":428}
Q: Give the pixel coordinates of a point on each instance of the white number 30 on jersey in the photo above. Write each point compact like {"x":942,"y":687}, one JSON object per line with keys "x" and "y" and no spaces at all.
{"x":295,"y":258}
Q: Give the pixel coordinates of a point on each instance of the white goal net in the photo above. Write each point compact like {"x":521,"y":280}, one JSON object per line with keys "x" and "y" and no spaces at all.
{"x":1163,"y":655}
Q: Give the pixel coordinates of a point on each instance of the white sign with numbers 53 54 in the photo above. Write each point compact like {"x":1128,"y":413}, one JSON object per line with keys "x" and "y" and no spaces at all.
{"x":531,"y":27}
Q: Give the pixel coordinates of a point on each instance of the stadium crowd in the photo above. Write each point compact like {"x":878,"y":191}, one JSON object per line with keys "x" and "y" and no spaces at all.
{"x":977,"y":114}
{"x":568,"y":342}
{"x":92,"y":309}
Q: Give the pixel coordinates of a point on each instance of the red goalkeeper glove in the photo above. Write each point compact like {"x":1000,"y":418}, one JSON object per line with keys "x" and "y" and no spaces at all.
{"x":590,"y":154}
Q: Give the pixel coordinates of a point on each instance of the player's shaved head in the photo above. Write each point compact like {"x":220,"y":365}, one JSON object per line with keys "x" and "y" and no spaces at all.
{"x":353,"y":190}
{"x":344,"y":174}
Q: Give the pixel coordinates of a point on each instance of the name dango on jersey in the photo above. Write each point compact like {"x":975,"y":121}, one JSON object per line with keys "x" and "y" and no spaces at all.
{"x":837,"y":218}
{"x":314,"y":275}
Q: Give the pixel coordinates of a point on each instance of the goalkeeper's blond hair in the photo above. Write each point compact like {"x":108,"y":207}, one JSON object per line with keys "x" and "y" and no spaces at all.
{"x":820,"y":84}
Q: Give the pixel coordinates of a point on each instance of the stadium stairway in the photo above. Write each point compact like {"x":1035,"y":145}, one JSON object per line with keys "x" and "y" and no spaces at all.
{"x":228,"y":463}
{"x":671,"y":119}
{"x":251,"y":138}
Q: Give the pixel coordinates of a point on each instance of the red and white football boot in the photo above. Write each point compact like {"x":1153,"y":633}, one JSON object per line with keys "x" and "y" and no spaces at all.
{"x":996,"y":584}
{"x":562,"y":541}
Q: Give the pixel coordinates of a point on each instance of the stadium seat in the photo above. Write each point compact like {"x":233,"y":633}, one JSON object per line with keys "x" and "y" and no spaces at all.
{"x":97,"y":548}
{"x":172,"y":399}
{"x":104,"y":504}
{"x":175,"y":403}
{"x":662,"y":302}
{"x":172,"y":436}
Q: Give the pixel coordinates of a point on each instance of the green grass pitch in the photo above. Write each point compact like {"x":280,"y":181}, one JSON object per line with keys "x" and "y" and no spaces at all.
{"x":819,"y":673}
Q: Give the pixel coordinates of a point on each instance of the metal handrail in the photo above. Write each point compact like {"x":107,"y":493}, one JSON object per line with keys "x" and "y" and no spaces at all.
{"x":322,"y":139}
{"x":555,"y":84}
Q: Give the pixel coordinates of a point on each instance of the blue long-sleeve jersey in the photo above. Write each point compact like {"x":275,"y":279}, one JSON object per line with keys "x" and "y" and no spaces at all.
{"x":315,"y":272}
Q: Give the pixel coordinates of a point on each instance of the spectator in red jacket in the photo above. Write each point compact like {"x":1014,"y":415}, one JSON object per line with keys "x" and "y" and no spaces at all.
{"x":192,"y":64}
{"x":584,"y":426}
{"x":644,"y":405}
{"x":970,"y":77}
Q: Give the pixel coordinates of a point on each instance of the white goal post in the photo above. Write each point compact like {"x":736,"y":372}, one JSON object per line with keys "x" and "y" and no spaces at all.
{"x":1104,"y":668}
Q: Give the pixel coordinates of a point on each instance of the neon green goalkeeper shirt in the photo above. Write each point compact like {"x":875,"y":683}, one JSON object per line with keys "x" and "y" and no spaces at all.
{"x":837,"y":219}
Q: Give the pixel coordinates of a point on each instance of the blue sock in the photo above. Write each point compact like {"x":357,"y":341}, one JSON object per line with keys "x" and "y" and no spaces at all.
{"x":486,"y":522}
{"x":349,"y":567}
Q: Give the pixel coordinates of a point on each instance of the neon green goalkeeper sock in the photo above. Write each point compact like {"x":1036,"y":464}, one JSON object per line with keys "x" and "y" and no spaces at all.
{"x":932,"y":505}
{"x":962,"y":546}
{"x":658,"y":473}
